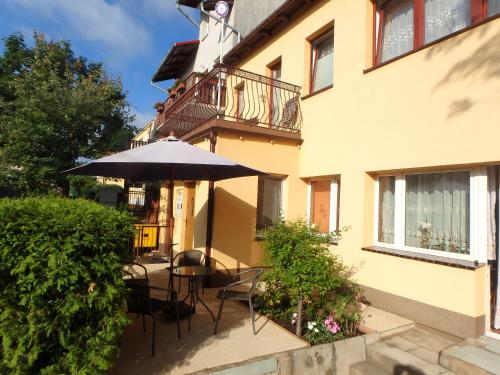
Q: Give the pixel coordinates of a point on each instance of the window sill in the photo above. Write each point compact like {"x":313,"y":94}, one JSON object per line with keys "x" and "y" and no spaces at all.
{"x":457,"y":263}
{"x":317,"y":92}
{"x":430,"y":44}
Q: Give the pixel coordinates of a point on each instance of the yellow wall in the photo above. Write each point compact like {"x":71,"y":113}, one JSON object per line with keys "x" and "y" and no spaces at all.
{"x":234,"y":243}
{"x":437,"y":107}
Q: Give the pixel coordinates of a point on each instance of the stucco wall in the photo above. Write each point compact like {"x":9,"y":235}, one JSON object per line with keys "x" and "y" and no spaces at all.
{"x":436,"y":107}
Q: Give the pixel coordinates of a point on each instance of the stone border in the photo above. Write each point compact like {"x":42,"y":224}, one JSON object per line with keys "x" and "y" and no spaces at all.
{"x":334,"y":358}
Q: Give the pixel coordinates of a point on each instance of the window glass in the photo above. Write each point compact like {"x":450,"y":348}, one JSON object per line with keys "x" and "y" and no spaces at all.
{"x":437,"y":211}
{"x":322,"y":63}
{"x":268,"y":201}
{"x":397,"y":33}
{"x":386,"y":212}
{"x":443,"y":17}
{"x":493,"y":7}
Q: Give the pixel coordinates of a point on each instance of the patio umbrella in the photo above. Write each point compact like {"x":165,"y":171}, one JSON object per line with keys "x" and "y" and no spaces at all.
{"x":168,"y":159}
{"x":165,"y":159}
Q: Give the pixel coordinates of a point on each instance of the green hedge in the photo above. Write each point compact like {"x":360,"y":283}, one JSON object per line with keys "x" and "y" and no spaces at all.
{"x":61,"y":288}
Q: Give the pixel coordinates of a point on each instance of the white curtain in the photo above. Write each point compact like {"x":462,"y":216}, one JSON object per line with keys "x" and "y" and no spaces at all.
{"x":397,"y":29}
{"x":323,"y":71}
{"x":492,"y":222}
{"x":437,"y":211}
{"x":386,"y":209}
{"x":443,"y":17}
{"x":493,"y":7}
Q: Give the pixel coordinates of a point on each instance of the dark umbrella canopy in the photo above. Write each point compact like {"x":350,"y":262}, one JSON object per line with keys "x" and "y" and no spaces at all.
{"x":166,"y":159}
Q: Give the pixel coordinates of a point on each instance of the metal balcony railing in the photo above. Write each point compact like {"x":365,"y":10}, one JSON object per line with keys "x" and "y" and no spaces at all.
{"x":134,"y":144}
{"x":233,"y":95}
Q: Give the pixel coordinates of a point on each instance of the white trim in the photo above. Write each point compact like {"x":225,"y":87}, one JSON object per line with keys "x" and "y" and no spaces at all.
{"x":375,"y":211}
{"x":333,"y":205}
{"x":308,"y":203}
{"x":478,"y":214}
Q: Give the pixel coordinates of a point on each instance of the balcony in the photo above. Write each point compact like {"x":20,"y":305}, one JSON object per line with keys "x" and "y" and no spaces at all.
{"x":236,"y":96}
{"x":134,"y":144}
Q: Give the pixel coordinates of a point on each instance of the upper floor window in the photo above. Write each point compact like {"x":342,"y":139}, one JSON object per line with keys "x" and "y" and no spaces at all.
{"x":404,"y":25}
{"x":322,"y":62}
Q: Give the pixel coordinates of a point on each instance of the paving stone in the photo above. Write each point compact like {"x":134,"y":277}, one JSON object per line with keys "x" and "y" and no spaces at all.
{"x":493,"y":347}
{"x":383,"y":322}
{"x":260,"y":367}
{"x":401,"y":343}
{"x":367,"y":368}
{"x":431,"y":341}
{"x":426,"y":355}
{"x":470,"y":359}
{"x":397,"y":361}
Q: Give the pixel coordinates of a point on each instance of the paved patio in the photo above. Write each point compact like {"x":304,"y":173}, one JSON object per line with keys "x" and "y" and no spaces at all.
{"x":199,"y":349}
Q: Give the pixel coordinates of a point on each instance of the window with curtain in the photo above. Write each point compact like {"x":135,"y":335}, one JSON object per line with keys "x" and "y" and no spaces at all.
{"x":443,"y":17}
{"x":427,"y":212}
{"x":269,"y":199}
{"x":493,"y":7}
{"x":437,"y":211}
{"x":397,"y":30}
{"x":401,"y":30}
{"x":322,"y":62}
{"x":386,"y":212}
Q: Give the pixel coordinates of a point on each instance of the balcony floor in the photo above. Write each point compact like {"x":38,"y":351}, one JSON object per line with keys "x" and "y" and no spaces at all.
{"x":199,"y":349}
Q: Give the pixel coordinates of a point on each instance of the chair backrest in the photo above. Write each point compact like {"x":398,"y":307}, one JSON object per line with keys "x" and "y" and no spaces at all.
{"x":189,"y":258}
{"x":250,"y":277}
{"x":138,"y":299}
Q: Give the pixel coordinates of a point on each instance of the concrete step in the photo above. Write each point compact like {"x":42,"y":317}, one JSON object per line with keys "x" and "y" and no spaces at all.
{"x":468,"y":359}
{"x":367,"y":368}
{"x":397,"y":361}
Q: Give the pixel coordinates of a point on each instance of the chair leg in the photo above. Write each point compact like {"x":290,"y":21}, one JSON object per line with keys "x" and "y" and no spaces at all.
{"x":218,"y":315}
{"x":177,"y":319}
{"x":252,"y":312}
{"x":154,"y":336}
{"x":143,"y":324}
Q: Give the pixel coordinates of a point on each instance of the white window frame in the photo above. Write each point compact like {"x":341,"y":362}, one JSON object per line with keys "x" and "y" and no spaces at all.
{"x":334,"y":203}
{"x":478,"y":216}
{"x":282,"y":179}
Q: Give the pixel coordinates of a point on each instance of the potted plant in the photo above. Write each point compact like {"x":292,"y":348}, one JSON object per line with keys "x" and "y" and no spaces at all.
{"x":159,"y":106}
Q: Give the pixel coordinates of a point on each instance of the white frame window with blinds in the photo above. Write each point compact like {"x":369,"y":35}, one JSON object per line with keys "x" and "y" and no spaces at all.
{"x":440,"y":213}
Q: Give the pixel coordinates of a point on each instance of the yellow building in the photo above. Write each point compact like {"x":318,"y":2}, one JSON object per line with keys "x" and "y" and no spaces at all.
{"x":378,"y":115}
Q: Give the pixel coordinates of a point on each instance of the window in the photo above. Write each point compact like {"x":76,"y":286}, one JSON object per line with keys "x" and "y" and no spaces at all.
{"x":269,"y":201}
{"x":276,"y":105}
{"x":240,"y":100}
{"x":405,"y":25}
{"x":430,"y":212}
{"x":323,"y":204}
{"x":322,"y":62}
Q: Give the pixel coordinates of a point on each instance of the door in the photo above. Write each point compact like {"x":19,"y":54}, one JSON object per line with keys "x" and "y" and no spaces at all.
{"x":276,"y":95}
{"x":187,"y":232}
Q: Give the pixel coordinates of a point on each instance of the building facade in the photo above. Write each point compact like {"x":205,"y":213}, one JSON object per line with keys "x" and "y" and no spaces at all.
{"x":377,"y":115}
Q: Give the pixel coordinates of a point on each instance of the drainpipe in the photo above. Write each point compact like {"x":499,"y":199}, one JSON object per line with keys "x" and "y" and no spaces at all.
{"x":210,"y":206}
{"x":189,"y":18}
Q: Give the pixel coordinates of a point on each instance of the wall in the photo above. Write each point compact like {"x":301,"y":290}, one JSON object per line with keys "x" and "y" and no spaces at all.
{"x":234,"y":243}
{"x":437,"y":107}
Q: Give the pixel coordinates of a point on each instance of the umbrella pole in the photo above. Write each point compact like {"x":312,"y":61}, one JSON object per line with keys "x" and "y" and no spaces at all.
{"x":169,"y":230}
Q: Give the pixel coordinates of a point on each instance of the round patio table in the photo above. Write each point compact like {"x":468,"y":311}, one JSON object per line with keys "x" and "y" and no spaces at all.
{"x":194,"y":274}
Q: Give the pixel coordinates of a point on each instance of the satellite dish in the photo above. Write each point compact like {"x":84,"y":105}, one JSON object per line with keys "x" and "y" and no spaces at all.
{"x":222,"y":8}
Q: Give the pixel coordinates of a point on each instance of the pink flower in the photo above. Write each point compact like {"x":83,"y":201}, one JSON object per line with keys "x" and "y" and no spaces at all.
{"x":332,"y":325}
{"x":293,"y":321}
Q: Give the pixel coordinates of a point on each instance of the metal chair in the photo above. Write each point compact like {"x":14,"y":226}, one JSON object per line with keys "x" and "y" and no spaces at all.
{"x":140,"y":302}
{"x":130,"y":273}
{"x":251,"y":278}
{"x":186,"y":258}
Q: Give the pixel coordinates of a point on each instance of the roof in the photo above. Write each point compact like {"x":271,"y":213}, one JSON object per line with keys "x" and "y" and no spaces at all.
{"x":209,"y":4}
{"x":277,"y":21}
{"x":175,"y":60}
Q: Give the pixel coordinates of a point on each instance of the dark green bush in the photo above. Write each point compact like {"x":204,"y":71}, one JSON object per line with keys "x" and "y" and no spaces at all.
{"x":61,"y":288}
{"x":306,"y":283}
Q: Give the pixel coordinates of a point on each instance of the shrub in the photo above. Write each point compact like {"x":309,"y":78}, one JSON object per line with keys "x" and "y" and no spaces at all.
{"x":305,"y":282}
{"x":61,"y":290}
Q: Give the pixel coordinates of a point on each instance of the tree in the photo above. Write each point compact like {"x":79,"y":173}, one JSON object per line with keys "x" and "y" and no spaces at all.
{"x":55,"y":108}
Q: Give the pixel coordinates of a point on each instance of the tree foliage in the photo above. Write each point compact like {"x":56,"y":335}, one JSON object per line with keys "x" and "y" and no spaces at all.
{"x":61,"y":290}
{"x":55,"y":108}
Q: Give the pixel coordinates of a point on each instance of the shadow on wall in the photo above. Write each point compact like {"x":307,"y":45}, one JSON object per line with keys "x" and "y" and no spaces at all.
{"x":234,"y":229}
{"x":480,"y":65}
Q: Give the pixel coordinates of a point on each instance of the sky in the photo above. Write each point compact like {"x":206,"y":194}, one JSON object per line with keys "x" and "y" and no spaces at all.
{"x":131,"y":37}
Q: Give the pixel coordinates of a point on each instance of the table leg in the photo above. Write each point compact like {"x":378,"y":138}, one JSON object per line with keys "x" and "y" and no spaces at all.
{"x":198,"y":298}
